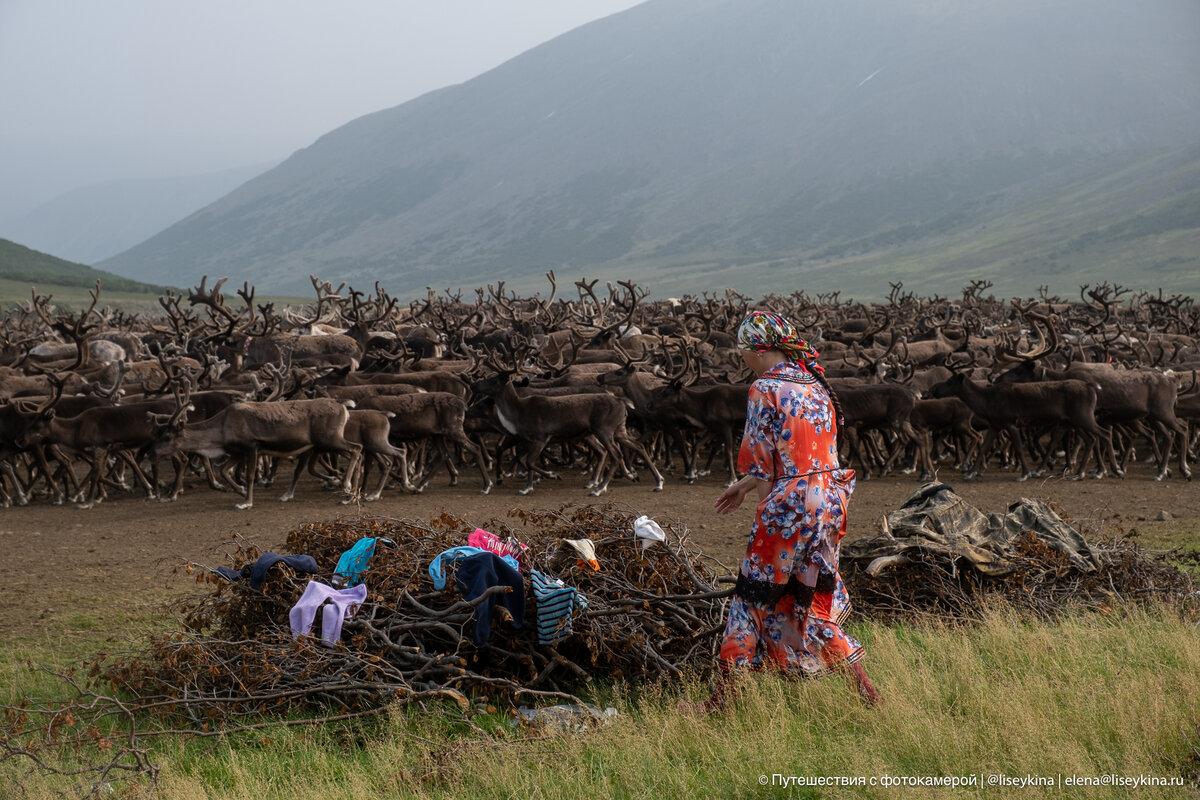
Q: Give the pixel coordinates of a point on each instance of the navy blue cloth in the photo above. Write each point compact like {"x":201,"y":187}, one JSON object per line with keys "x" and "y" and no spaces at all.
{"x":477,"y":573}
{"x":257,"y":572}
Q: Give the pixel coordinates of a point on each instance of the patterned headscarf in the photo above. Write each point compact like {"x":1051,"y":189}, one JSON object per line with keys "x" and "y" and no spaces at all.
{"x":762,"y":331}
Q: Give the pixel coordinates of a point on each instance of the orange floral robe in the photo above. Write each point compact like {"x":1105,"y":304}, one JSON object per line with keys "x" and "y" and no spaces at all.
{"x":790,"y":600}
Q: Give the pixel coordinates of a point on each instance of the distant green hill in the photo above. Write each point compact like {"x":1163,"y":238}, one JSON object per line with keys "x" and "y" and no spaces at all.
{"x":20,"y":264}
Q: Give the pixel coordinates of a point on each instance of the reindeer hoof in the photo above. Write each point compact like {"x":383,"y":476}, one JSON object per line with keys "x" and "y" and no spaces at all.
{"x":283,"y":498}
{"x":527,"y":490}
{"x":244,"y":506}
{"x":486,"y":490}
{"x":658,"y":487}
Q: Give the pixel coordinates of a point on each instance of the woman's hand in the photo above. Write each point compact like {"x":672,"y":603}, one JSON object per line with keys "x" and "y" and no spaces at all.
{"x":731,"y":499}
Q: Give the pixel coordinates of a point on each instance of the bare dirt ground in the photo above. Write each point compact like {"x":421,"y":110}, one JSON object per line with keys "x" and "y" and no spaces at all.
{"x":66,"y":568}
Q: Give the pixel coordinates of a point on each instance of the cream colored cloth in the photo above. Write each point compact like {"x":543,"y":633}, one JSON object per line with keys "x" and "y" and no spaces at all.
{"x":586,"y":549}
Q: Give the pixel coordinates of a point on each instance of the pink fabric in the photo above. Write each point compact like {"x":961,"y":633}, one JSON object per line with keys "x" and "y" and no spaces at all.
{"x":485,"y":540}
{"x":336,"y":605}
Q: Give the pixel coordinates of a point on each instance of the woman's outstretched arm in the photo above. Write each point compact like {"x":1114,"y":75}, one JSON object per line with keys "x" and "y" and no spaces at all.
{"x":731,"y":499}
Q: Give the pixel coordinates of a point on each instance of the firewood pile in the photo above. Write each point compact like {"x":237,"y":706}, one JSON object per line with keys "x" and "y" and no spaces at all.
{"x":652,"y":613}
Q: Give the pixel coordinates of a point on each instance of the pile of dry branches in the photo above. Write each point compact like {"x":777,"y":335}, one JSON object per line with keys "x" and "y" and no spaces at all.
{"x":651,"y":614}
{"x":1042,"y":581}
{"x":233,"y":666}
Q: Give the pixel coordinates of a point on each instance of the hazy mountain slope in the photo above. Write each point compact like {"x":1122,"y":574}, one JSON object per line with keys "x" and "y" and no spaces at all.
{"x":24,"y":265}
{"x":692,"y":132}
{"x":1135,"y":223}
{"x":93,"y":222}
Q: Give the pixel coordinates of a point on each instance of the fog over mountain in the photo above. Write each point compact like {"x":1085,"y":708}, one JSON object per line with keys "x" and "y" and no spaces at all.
{"x":757,"y":143}
{"x":94,"y":222}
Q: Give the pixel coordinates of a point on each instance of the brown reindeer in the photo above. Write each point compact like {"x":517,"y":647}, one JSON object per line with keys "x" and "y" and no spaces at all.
{"x":244,"y":431}
{"x":429,"y":415}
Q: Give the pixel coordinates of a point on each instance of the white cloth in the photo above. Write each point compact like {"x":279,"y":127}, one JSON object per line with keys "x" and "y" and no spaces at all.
{"x":649,"y":531}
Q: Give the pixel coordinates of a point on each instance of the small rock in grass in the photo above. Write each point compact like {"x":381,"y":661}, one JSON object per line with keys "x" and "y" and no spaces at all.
{"x":1164,"y":516}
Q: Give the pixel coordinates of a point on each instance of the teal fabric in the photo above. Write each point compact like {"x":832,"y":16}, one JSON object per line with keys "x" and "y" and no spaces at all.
{"x":355,"y":561}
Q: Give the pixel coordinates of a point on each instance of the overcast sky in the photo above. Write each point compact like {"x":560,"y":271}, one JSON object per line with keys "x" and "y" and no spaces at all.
{"x":95,"y":90}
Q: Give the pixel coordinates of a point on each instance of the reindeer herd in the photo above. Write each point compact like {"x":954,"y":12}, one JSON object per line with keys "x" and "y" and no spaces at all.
{"x":364,"y":393}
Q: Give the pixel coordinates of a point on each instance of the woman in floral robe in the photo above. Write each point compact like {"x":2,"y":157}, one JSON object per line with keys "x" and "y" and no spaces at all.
{"x":789,"y":604}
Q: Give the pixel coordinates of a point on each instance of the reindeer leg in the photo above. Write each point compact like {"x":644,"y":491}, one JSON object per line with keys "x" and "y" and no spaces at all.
{"x":633,"y":444}
{"x":210,"y":475}
{"x":600,"y":484}
{"x":1162,"y":454}
{"x":434,"y":456}
{"x":39,"y":458}
{"x":251,"y":462}
{"x":364,"y":471}
{"x":707,"y":439}
{"x":1019,"y":446}
{"x":22,"y":499}
{"x":226,"y":471}
{"x":978,"y":462}
{"x":356,"y":454}
{"x":688,"y":454}
{"x":898,"y":445}
{"x":125,"y":456}
{"x":1050,"y":453}
{"x":729,"y":450}
{"x":99,"y":464}
{"x":179,"y":462}
{"x":1179,"y":435}
{"x":267,"y":469}
{"x":401,"y":467}
{"x":922,"y":454}
{"x":448,"y":459}
{"x":1184,"y":468}
{"x":328,"y":479}
{"x":481,"y":447}
{"x":360,"y":473}
{"x":385,"y":465}
{"x":613,"y":454}
{"x":476,"y":452}
{"x":304,"y":460}
{"x":598,"y":450}
{"x":1082,"y":452}
{"x":531,"y":457}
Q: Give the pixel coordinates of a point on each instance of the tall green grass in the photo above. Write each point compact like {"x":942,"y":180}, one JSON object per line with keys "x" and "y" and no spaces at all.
{"x":1088,"y":695}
